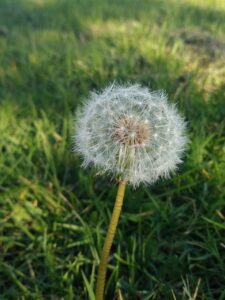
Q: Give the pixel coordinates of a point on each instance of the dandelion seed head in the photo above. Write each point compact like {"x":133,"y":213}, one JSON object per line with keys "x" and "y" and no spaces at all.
{"x":132,"y":133}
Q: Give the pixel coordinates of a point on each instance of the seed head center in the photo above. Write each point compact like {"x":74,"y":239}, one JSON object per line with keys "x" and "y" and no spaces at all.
{"x":130,"y":131}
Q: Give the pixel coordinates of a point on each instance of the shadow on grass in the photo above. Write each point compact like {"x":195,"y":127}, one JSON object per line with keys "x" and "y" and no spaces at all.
{"x":55,"y":72}
{"x":68,"y":14}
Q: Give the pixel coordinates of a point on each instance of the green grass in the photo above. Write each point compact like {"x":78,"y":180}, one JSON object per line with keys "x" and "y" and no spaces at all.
{"x":170,"y":243}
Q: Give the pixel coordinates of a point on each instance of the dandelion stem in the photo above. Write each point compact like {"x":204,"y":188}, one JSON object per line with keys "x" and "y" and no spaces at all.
{"x":109,"y":240}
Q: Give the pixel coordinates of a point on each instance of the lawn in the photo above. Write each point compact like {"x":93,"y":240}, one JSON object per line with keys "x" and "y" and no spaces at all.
{"x":171,"y":238}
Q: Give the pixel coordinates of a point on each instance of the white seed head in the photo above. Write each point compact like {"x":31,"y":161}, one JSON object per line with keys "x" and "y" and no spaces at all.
{"x":136,"y":143}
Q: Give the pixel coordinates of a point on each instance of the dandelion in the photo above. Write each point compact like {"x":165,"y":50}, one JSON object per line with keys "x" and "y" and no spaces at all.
{"x":134,"y":135}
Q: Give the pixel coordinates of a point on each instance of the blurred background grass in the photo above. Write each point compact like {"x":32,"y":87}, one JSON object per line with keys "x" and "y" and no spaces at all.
{"x":54,"y":215}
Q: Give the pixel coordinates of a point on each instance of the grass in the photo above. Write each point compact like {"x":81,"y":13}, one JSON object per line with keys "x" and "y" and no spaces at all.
{"x":54,"y":215}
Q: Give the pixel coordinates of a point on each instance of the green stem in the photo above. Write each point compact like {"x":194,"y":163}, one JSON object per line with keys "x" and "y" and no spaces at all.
{"x":109,"y":240}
